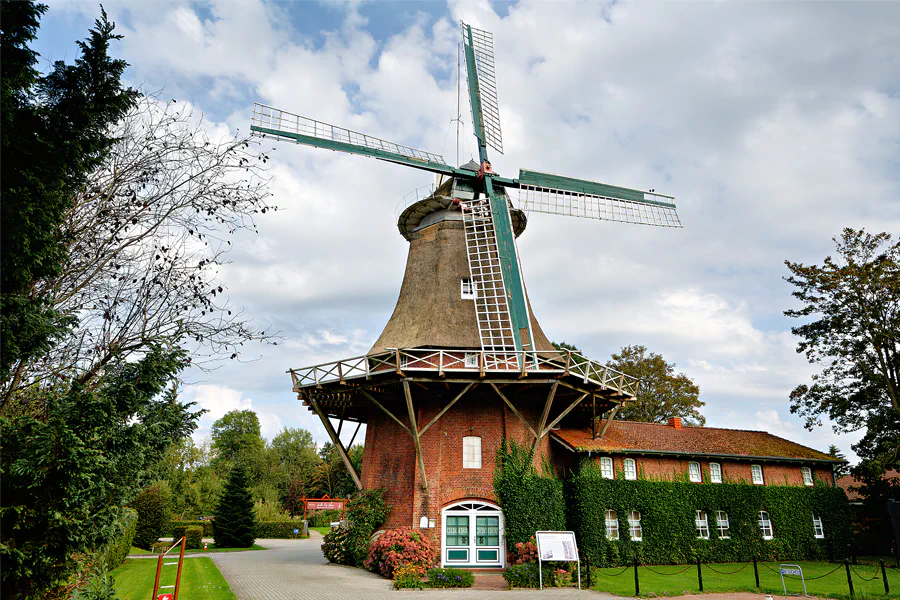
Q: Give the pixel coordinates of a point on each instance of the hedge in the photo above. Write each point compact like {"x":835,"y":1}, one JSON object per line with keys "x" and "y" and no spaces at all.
{"x":264,"y":529}
{"x":531,"y":501}
{"x":668,"y":511}
{"x":206,"y":525}
{"x":115,"y":552}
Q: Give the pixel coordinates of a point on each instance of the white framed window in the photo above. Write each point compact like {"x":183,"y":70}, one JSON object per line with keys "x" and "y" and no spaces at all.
{"x":630,"y":469}
{"x":635,"y":531}
{"x":694,"y":472}
{"x":806,"y":472}
{"x":702,"y":524}
{"x":818,"y":530}
{"x":466,"y":289}
{"x":722,"y":524}
{"x":471,"y":360}
{"x":612,"y":525}
{"x":715,"y":473}
{"x":606,"y":467}
{"x":471,"y":452}
{"x":765,"y":526}
{"x":756,"y":474}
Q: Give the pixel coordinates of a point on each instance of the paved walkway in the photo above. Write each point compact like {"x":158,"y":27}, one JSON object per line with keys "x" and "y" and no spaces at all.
{"x":296,"y":570}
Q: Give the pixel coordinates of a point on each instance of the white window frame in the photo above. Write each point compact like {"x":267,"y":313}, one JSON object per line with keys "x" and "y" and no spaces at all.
{"x":701,"y":524}
{"x":695,"y":473}
{"x":606,"y":467}
{"x":722,"y":524}
{"x":612,"y":525}
{"x":715,"y":473}
{"x":630,"y":469}
{"x":471,"y":360}
{"x":806,"y":473}
{"x":818,"y":529}
{"x":635,"y":531}
{"x":472,"y":452}
{"x":765,"y":524}
{"x":466,"y":289}
{"x":756,"y":475}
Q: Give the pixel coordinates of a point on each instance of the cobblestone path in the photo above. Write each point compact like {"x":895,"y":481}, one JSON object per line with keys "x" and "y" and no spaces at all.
{"x":296,"y":570}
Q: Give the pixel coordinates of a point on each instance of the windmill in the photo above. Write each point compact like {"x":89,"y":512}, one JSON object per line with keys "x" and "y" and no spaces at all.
{"x":481,"y":194}
{"x":462,"y":366}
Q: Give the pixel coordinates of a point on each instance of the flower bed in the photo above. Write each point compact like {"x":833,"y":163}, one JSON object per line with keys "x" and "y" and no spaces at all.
{"x":400,"y":547}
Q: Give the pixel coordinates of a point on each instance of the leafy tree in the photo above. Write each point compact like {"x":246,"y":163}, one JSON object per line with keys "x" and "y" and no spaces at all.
{"x":55,"y":132}
{"x":331,"y":476}
{"x":851,"y":305}
{"x":295,"y":455}
{"x":68,"y":473}
{"x":663,"y":393}
{"x":235,"y":518}
{"x":153,"y":517}
{"x":842,"y":469}
{"x":292,"y":498}
{"x":236,"y":440}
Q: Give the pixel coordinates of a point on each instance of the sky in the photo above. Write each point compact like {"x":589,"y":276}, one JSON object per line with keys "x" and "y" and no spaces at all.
{"x":774,"y":125}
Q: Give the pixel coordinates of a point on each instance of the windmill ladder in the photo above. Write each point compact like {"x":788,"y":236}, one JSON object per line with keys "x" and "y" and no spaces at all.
{"x":491,"y":308}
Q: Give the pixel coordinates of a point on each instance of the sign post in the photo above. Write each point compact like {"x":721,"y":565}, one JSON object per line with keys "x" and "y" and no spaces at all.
{"x":794,"y":570}
{"x":556,"y":546}
{"x":324,"y":503}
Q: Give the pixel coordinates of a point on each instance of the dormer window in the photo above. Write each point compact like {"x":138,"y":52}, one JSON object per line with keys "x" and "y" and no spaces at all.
{"x":466,"y":289}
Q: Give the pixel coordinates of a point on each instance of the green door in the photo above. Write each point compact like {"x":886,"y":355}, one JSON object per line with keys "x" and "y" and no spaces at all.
{"x":487,"y":539}
{"x":457,"y":539}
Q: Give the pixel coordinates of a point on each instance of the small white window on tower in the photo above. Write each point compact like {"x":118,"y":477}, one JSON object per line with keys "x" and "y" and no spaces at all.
{"x":807,"y":475}
{"x":471,"y":452}
{"x":466,"y":289}
{"x":715,"y":472}
{"x":471,"y":360}
{"x":694,"y":472}
{"x":606,"y":467}
{"x":756,"y":473}
{"x":630,"y":469}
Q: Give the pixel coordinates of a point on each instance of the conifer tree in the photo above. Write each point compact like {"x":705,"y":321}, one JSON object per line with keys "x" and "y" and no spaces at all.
{"x":235,"y":522}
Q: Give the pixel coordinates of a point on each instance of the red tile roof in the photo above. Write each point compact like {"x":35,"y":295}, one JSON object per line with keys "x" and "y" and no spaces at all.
{"x":657,"y":438}
{"x":849,"y":483}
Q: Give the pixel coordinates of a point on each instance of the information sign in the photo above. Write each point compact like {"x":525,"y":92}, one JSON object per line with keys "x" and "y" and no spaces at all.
{"x":324,"y":505}
{"x":555,"y":546}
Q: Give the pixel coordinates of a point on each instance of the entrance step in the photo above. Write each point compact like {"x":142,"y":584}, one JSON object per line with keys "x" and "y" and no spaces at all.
{"x":489,"y":579}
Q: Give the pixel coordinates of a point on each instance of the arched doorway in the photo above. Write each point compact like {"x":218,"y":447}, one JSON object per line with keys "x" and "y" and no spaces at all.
{"x":472,"y":535}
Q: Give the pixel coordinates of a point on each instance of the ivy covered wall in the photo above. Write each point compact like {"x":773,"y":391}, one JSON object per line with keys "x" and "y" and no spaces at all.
{"x":668,"y":510}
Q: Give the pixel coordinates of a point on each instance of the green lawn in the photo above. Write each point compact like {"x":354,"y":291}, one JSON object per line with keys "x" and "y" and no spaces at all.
{"x":212,"y":548}
{"x":322,"y":530}
{"x":199,"y":579}
{"x":670,"y":580}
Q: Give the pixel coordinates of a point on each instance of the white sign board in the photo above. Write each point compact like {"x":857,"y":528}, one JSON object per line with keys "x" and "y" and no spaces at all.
{"x":556,"y":546}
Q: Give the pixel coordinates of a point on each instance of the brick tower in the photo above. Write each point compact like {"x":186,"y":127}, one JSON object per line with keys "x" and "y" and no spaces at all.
{"x":437,"y":404}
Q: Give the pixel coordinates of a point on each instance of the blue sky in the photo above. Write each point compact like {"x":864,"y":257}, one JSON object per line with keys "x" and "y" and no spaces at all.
{"x":774,"y":125}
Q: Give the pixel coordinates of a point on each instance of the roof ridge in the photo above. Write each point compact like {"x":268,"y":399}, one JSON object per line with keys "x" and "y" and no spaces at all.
{"x":686,"y":426}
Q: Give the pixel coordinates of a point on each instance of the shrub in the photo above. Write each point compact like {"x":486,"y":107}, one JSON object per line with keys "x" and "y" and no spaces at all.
{"x":450,"y":578}
{"x":193,"y":537}
{"x":408,"y":576}
{"x":323,"y":518}
{"x":115,"y":552}
{"x":150,"y":505}
{"x":525,"y":575}
{"x":235,"y":522}
{"x":531,"y":501}
{"x":179,"y":531}
{"x":277,"y":529}
{"x":398,"y":547}
{"x":206,"y":524}
{"x":365,"y":514}
{"x":337,"y":546}
{"x":526,"y":552}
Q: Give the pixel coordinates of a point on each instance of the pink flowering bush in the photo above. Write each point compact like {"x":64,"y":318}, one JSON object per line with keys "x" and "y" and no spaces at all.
{"x":400,"y":547}
{"x":526,"y":553}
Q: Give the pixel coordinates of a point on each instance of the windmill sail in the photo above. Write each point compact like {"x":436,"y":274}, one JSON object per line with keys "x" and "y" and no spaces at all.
{"x":482,"y":45}
{"x":557,"y":195}
{"x":303,"y":130}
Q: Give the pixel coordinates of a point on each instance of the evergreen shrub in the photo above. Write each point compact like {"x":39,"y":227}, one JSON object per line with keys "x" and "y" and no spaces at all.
{"x":193,"y":538}
{"x":400,"y":547}
{"x":235,"y":521}
{"x":115,"y":552}
{"x":205,"y":524}
{"x":337,"y":546}
{"x":277,"y":529}
{"x":531,"y":501}
{"x":668,"y":512}
{"x":525,"y":575}
{"x":450,"y":578}
{"x":150,"y":505}
{"x":365,"y":513}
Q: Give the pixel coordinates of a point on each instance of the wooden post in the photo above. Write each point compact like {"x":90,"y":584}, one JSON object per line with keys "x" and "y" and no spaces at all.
{"x":156,"y":583}
{"x":562,"y":415}
{"x":515,"y":411}
{"x":337,"y":442}
{"x":612,"y":415}
{"x":180,"y":564}
{"x":544,"y":415}
{"x":415,"y":433}
{"x":593,"y":417}
{"x":446,"y":408}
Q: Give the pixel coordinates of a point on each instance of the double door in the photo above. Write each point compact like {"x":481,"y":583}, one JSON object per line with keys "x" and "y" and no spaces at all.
{"x":472,"y":536}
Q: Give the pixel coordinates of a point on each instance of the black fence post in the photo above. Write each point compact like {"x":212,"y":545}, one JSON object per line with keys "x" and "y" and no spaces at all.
{"x":755,"y":571}
{"x":887,"y":590}
{"x":587,"y":559}
{"x":637,"y":583}
{"x":830,"y":551}
{"x":699,"y":574}
{"x":849,"y":578}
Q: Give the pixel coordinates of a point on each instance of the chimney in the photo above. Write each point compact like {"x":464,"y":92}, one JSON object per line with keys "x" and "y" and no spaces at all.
{"x":675,"y":422}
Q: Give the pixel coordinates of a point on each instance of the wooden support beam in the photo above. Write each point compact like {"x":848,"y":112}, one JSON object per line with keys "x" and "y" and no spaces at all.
{"x":612,"y":415}
{"x":337,"y":443}
{"x":593,"y":417}
{"x":415,"y":434}
{"x":544,"y":415}
{"x":353,"y":437}
{"x":515,"y":411}
{"x":341,"y":421}
{"x":386,"y":411}
{"x":446,"y":408}
{"x":561,"y":415}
